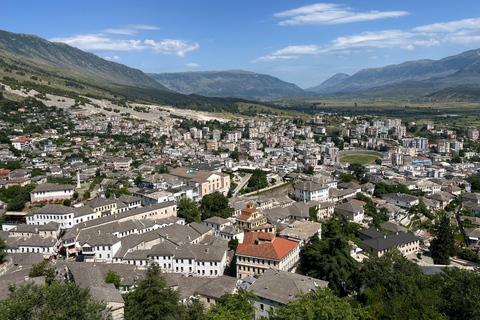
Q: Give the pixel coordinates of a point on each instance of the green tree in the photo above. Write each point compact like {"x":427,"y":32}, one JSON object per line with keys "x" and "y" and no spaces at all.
{"x":56,"y":301}
{"x":443,"y":246}
{"x":330,"y":260}
{"x":395,"y":288}
{"x":3,"y":246}
{"x":113,"y":277}
{"x":320,"y":305}
{"x":42,"y":269}
{"x":153,"y":300}
{"x":189,"y":210}
{"x":258,"y":180}
{"x":460,"y":293}
{"x":357,"y":170}
{"x":215,"y":204}
{"x":138,"y":180}
{"x":237,"y":306}
{"x":310,"y":170}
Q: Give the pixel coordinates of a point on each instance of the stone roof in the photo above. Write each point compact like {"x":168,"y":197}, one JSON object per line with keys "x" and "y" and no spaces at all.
{"x":391,"y":240}
{"x":283,"y":287}
{"x":47,"y":187}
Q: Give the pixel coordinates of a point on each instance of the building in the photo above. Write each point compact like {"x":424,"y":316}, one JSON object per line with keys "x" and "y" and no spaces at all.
{"x":352,"y":209}
{"x":52,"y":192}
{"x":261,"y":251}
{"x":22,"y":143}
{"x":275,"y":288}
{"x":252,"y":220}
{"x":206,"y":182}
{"x":401,"y":200}
{"x":403,"y":241}
{"x":311,"y":190}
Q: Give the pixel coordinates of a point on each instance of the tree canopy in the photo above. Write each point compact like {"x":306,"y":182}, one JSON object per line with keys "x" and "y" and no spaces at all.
{"x":55,"y":301}
{"x":238,"y":306}
{"x":443,"y":246}
{"x":189,"y":210}
{"x":215,"y":204}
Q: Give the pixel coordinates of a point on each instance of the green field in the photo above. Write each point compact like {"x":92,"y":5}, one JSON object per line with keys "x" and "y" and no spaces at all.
{"x":359,"y":158}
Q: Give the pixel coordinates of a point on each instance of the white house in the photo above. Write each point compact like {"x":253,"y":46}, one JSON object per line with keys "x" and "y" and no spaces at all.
{"x":52,"y":191}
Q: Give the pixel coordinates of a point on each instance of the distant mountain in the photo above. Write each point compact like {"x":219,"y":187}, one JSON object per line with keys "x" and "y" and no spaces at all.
{"x":231,"y":83}
{"x":456,"y":94}
{"x":461,"y":70}
{"x":40,"y":53}
{"x":331,"y":82}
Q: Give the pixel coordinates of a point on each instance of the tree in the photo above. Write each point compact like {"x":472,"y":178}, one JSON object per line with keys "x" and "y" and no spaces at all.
{"x":3,"y":246}
{"x":460,"y":293}
{"x":86,"y":195}
{"x":310,"y":170}
{"x":236,"y":306}
{"x":138,"y":180}
{"x":443,"y":246}
{"x":395,"y":288}
{"x":215,"y":204}
{"x":357,"y":170}
{"x":258,"y":180}
{"x":152,"y":299}
{"x":55,"y":301}
{"x":322,"y":304}
{"x":113,"y":277}
{"x":42,"y":269}
{"x":188,"y":209}
{"x":330,"y":260}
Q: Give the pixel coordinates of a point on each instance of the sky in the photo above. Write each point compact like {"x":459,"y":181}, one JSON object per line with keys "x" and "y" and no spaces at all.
{"x":302,"y":42}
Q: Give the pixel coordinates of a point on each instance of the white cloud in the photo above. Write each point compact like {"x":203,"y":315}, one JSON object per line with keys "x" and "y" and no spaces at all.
{"x":130,"y":29}
{"x":331,"y":13}
{"x":455,"y":32}
{"x":192,"y":65}
{"x":102,"y":42}
{"x":452,"y":26}
{"x":112,"y":58}
{"x":142,"y":27}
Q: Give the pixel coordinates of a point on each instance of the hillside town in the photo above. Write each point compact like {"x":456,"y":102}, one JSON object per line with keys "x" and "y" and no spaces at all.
{"x":225,"y":207}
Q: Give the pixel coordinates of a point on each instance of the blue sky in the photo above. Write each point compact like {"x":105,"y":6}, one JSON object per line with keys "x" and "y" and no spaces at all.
{"x":303,"y":42}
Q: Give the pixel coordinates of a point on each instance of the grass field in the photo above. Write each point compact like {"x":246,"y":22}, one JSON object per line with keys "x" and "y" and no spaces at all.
{"x":359,"y":158}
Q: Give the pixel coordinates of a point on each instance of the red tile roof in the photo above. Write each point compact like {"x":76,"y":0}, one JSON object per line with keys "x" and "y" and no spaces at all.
{"x":244,"y":216}
{"x":275,"y":250}
{"x":249,"y":210}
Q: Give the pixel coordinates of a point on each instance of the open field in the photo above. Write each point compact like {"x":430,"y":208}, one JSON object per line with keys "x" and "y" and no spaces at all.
{"x":460,"y":113}
{"x":359,"y":158}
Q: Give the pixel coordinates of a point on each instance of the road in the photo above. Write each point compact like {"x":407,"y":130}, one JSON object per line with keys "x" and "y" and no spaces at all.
{"x":242,"y":183}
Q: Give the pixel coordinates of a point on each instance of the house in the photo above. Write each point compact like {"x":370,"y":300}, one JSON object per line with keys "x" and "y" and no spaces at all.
{"x":325,"y":210}
{"x":102,"y":207}
{"x":252,"y":220}
{"x":403,"y":241}
{"x":52,"y":192}
{"x":401,"y":200}
{"x":353,"y":210}
{"x":22,"y":143}
{"x":301,"y":231}
{"x":276,"y":288}
{"x":262,"y":250}
{"x":206,"y":182}
{"x":28,"y":238}
{"x":311,"y":190}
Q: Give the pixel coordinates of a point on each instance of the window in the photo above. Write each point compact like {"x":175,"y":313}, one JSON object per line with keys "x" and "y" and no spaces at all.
{"x":262,"y":307}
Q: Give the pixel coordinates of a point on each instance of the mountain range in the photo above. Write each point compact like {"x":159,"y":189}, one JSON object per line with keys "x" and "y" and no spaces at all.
{"x":231,"y":83}
{"x":29,"y":59}
{"x":462,"y":70}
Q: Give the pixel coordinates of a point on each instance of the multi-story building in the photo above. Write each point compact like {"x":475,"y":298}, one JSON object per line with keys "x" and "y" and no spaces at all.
{"x":261,"y":251}
{"x":206,"y":182}
{"x":252,"y":220}
{"x":311,"y":190}
{"x":51,"y":192}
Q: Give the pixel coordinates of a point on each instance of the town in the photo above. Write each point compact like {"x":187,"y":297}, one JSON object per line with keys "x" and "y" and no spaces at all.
{"x":229,"y":206}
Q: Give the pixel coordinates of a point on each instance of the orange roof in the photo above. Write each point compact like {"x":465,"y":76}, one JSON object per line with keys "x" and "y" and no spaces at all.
{"x":18,"y":180}
{"x":21,"y":140}
{"x":244,"y":216}
{"x":4,"y":171}
{"x":363,"y":203}
{"x":275,"y":250}
{"x":249,"y":210}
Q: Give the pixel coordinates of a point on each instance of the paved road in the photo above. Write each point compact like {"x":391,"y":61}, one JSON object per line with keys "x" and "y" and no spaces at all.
{"x":242,"y":183}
